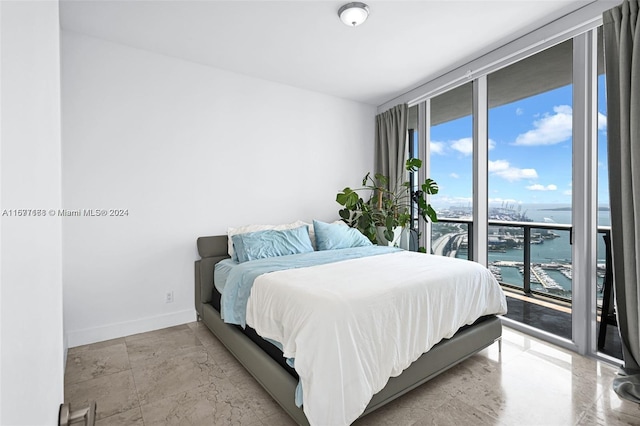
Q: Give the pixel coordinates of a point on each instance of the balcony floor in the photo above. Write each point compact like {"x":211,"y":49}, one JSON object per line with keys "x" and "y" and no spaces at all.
{"x":555,"y":319}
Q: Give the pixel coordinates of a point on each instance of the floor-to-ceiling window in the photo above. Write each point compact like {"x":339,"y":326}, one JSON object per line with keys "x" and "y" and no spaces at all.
{"x":533,"y":155}
{"x":530,"y":181}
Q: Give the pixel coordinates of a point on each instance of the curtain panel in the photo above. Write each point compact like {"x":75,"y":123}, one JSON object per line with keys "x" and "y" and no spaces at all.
{"x":622,"y":62}
{"x":391,"y":144}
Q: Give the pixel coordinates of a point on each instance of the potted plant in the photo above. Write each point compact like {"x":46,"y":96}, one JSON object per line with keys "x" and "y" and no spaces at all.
{"x":383,"y":209}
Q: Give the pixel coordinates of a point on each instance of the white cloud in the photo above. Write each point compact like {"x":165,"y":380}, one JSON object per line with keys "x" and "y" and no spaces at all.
{"x":513,"y":174}
{"x":538,"y":187}
{"x":498,"y":165}
{"x":519,"y":111}
{"x":503,"y":169}
{"x":437,"y":147}
{"x":551,"y":129}
{"x":567,"y":192}
{"x":465,"y":145}
{"x":602,"y":121}
{"x":454,"y":175}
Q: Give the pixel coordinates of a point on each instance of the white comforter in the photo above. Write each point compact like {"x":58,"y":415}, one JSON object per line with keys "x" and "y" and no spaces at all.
{"x":354,"y":324}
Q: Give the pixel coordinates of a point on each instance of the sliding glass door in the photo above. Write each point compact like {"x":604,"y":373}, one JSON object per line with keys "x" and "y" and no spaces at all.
{"x":538,"y":192}
{"x":530,"y":181}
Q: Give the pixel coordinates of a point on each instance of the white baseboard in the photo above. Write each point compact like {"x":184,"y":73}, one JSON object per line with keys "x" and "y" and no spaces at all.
{"x":112,"y":331}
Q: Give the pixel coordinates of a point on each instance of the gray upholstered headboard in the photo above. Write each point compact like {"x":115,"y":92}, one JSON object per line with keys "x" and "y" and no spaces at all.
{"x":211,"y":250}
{"x":212,"y":246}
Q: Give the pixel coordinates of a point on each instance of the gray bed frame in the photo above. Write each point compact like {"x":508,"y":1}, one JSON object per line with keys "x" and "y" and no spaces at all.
{"x":281,"y":385}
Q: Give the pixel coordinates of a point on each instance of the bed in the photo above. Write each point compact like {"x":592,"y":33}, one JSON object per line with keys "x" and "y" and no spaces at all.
{"x":270,"y":361}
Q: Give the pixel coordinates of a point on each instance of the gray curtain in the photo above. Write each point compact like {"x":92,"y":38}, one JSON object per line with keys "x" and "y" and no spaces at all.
{"x":391,"y":144}
{"x":622,"y":61}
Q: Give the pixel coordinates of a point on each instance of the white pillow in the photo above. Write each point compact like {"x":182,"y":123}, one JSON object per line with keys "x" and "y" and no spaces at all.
{"x":254,"y":228}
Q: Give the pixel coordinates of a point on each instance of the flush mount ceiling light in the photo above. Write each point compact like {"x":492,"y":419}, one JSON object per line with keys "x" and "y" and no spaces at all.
{"x":353,"y":14}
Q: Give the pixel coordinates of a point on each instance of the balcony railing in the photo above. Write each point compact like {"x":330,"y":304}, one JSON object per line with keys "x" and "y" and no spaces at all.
{"x":451,"y":244}
{"x":553,"y":305}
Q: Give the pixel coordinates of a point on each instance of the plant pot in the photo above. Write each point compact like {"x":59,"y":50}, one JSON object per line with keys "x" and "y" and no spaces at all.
{"x":400,"y":237}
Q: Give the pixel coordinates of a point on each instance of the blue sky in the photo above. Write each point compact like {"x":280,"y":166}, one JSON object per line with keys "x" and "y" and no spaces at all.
{"x":530,"y":144}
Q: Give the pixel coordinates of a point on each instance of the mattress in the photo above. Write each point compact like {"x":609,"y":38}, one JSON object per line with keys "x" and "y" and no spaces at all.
{"x":274,"y":352}
{"x":309,"y":309}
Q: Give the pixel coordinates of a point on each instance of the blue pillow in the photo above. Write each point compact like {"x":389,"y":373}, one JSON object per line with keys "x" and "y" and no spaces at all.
{"x":332,"y":236}
{"x":271,"y":243}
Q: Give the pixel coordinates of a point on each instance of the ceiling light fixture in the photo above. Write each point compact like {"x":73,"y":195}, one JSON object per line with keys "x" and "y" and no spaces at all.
{"x":353,"y":14}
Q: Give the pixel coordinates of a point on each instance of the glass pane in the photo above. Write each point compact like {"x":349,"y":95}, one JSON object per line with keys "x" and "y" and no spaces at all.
{"x":530,"y":138}
{"x":530,"y":180}
{"x":451,"y":166}
{"x":414,"y":152}
{"x":609,"y":339}
{"x":604,"y":220}
{"x":603,"y":171}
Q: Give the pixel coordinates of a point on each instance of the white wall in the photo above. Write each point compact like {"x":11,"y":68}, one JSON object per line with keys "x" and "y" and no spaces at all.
{"x":189,"y":150}
{"x":31,"y":357}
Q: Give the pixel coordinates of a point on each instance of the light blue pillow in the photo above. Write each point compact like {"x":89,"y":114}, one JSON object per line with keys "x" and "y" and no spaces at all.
{"x":271,"y":243}
{"x":332,"y":236}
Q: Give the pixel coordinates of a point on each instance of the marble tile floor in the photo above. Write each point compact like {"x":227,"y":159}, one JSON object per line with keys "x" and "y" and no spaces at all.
{"x":184,"y":376}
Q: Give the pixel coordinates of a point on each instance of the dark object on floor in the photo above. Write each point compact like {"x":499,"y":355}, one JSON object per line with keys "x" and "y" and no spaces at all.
{"x":608,"y":315}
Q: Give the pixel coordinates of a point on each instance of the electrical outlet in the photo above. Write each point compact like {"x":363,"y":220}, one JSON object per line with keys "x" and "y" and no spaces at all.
{"x":168,"y":298}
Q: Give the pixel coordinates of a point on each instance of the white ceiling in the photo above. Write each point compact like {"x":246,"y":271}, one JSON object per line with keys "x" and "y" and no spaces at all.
{"x":303,"y":43}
